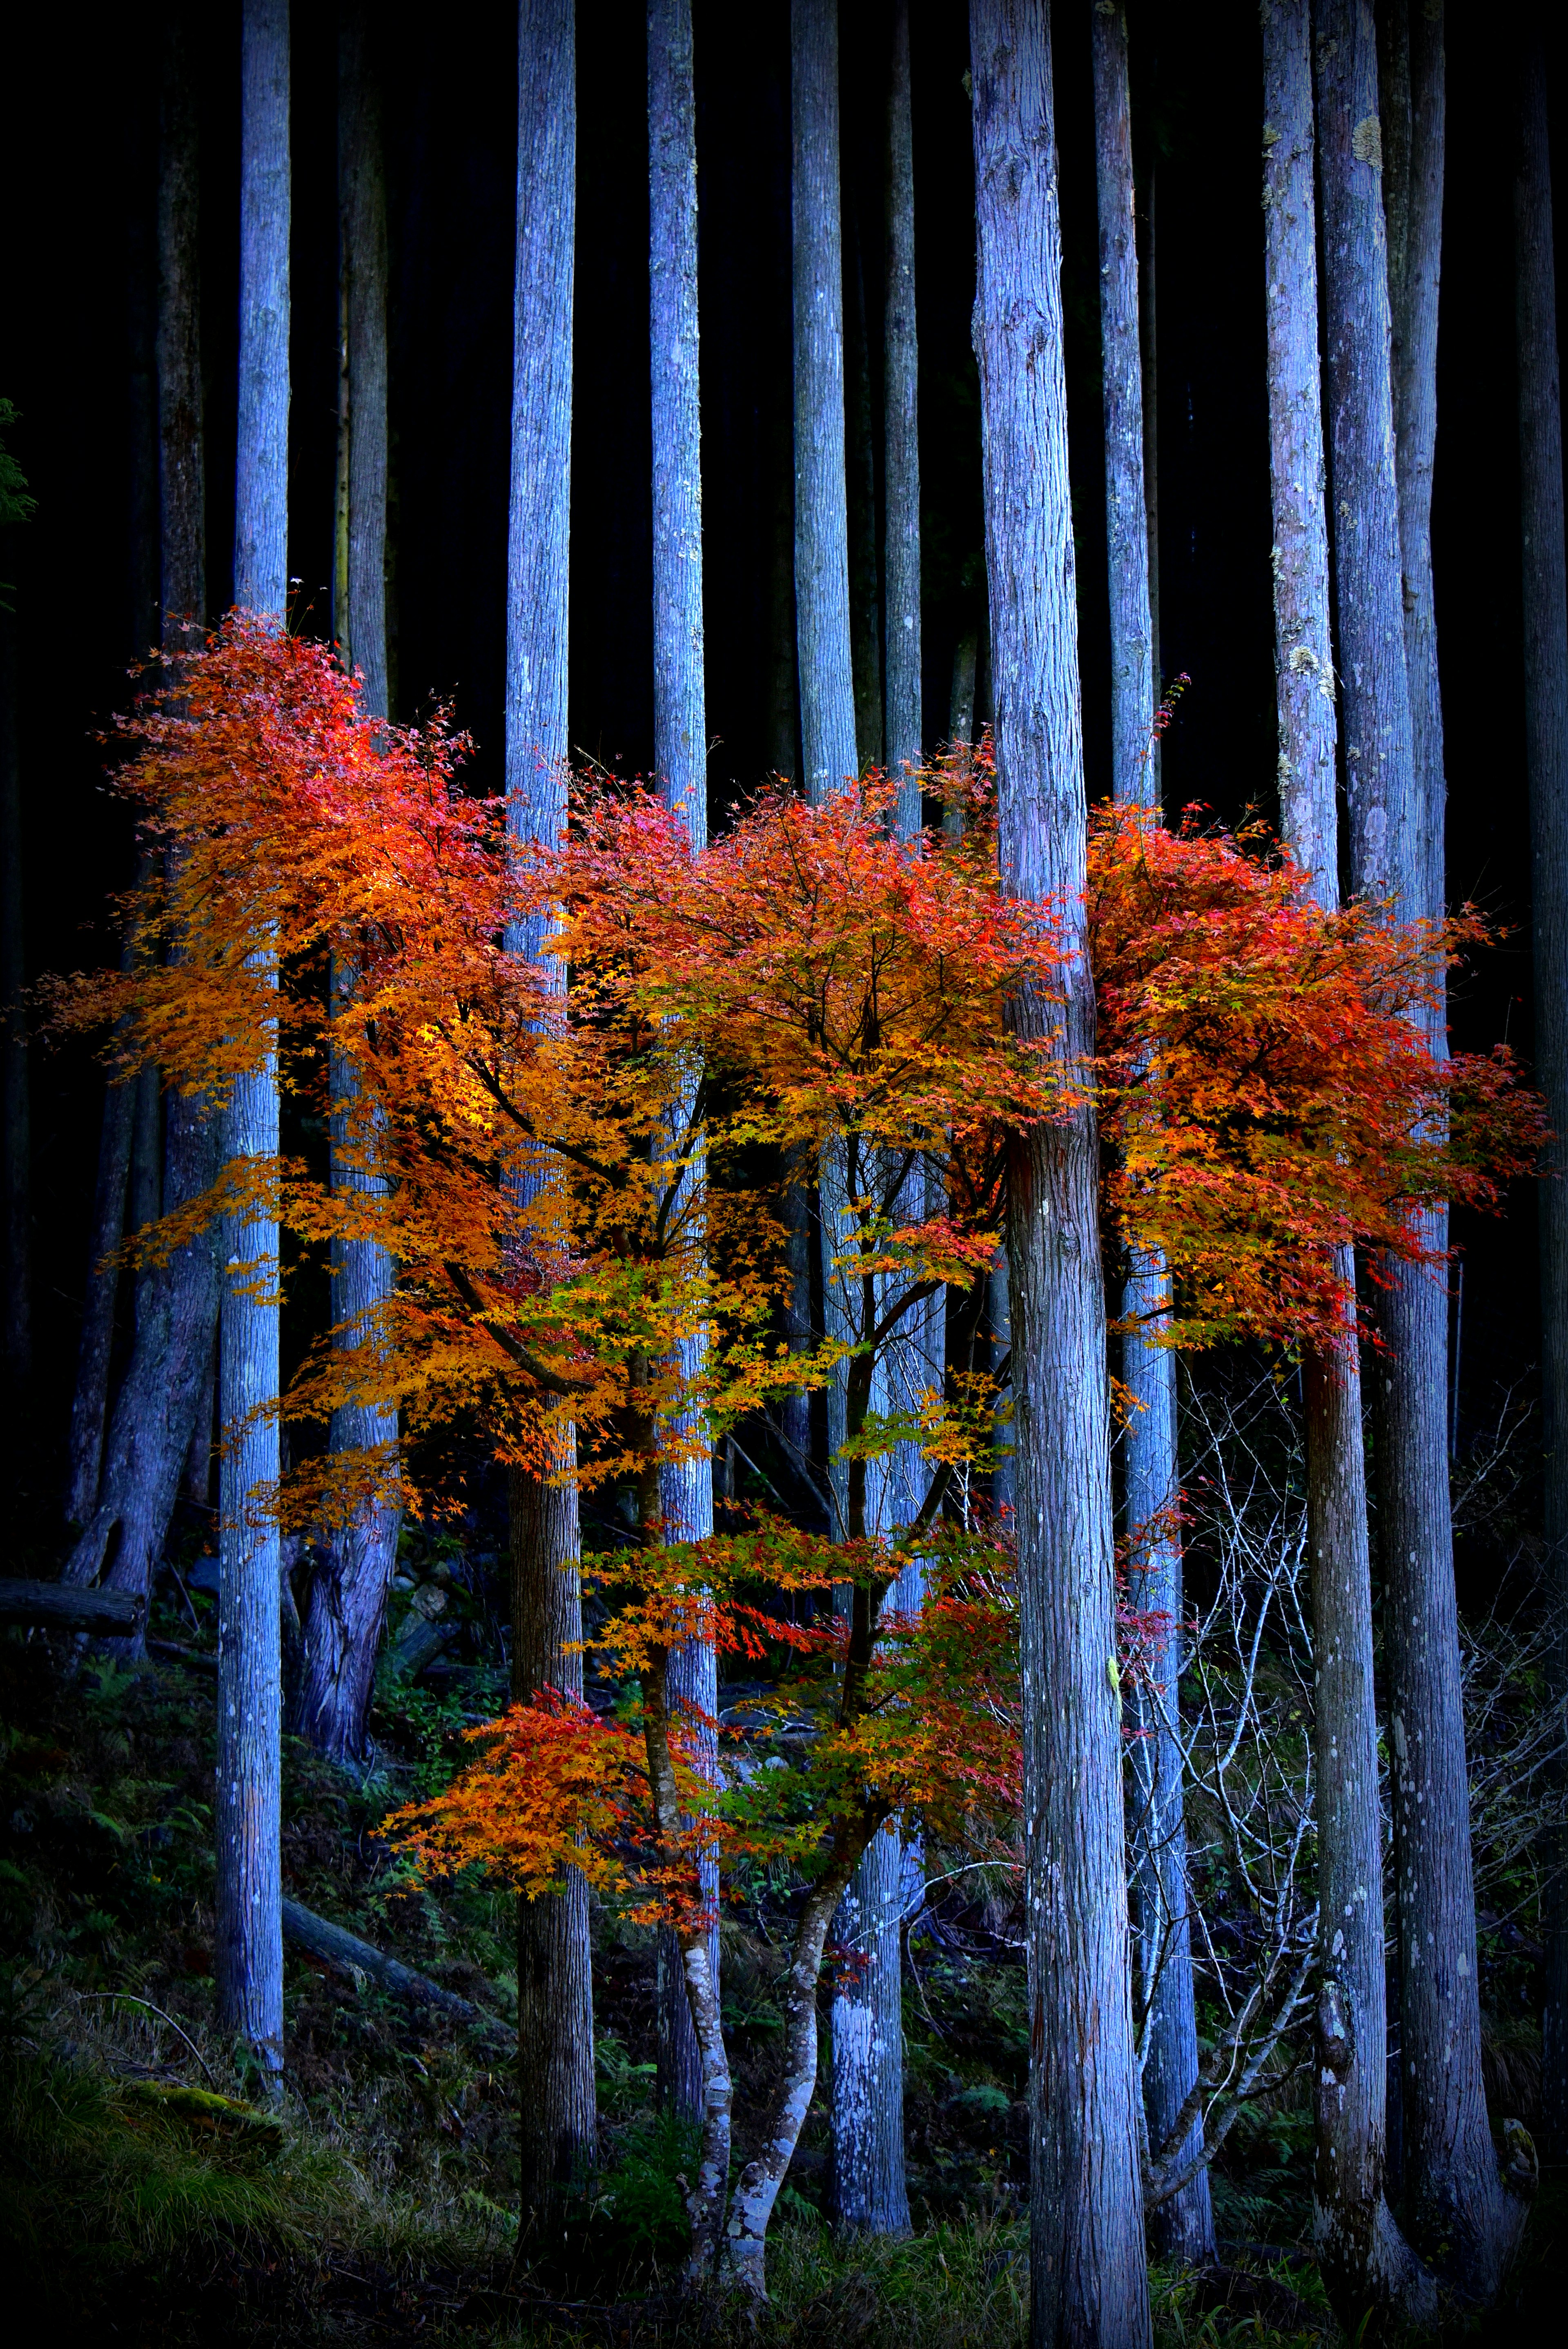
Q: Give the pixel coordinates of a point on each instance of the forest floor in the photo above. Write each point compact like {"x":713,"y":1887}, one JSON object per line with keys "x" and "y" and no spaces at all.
{"x":375,"y":2203}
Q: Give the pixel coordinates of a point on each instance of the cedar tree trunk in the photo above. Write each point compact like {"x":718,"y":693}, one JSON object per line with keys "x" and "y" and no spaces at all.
{"x":347,"y":1604}
{"x":1088,"y":2276}
{"x":1546,"y":760}
{"x":1184,"y":2222}
{"x":249,"y":1957}
{"x":555,"y":1991}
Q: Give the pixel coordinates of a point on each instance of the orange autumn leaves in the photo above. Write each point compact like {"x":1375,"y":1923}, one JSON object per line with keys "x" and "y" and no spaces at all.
{"x":554,"y":1786}
{"x":1264,"y":1095}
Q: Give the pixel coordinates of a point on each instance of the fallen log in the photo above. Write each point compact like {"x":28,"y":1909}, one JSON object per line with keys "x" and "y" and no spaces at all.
{"x":72,"y":1607}
{"x":346,"y":1953}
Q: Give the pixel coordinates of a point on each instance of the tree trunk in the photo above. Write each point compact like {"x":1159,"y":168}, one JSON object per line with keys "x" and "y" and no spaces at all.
{"x":164,"y":1405}
{"x":822,"y":518}
{"x":555,"y":1991}
{"x":757,"y":2188}
{"x":1367,"y":2264}
{"x":860,"y":493}
{"x":1354,"y":2229}
{"x":905,"y":734}
{"x":249,"y":1966}
{"x":1460,"y":2211}
{"x":1184,"y":2223}
{"x":1088,"y":2276}
{"x":1304,"y":660}
{"x":1546,"y":760}
{"x":889,"y":1879}
{"x":555,"y":1965}
{"x":680,"y":761}
{"x":346,"y":1607}
{"x":828,"y":729}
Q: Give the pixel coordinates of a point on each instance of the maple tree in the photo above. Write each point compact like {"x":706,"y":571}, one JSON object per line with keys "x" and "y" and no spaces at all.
{"x":804,"y":981}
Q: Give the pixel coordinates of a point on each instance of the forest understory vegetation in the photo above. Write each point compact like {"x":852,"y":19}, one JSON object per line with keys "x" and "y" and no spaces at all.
{"x":153,"y":2192}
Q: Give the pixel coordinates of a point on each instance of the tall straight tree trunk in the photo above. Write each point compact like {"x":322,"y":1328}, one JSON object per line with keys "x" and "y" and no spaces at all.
{"x":680,"y":760}
{"x":822,"y":515}
{"x":1546,"y":760}
{"x":166,"y":1396}
{"x":346,"y":1606}
{"x":870,"y":2178}
{"x":864,"y":2180}
{"x":1184,"y":2222}
{"x":250,"y":1960}
{"x":1364,"y":2260}
{"x":1460,"y":2211}
{"x":861,"y":489}
{"x":1088,"y":2277}
{"x":905,"y":734}
{"x":555,"y":1984}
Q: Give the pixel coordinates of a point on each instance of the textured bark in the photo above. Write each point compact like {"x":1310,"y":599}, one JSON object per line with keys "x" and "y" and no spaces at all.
{"x":55,"y":1606}
{"x":757,"y":2188}
{"x":1147,"y":345}
{"x":144,"y":1200}
{"x":1459,"y":2209}
{"x":860,"y":507}
{"x":822,"y":515}
{"x":1304,"y":664}
{"x":866,"y":2114}
{"x":905,"y":734}
{"x":555,"y":1957}
{"x":871,"y":2184}
{"x":828,"y":729}
{"x":1121,"y":379}
{"x":1088,"y":2277}
{"x":705,"y":2201}
{"x":680,"y":724}
{"x":167,"y":1379}
{"x":248,"y":1955}
{"x":680,"y":761}
{"x":1184,"y":2223}
{"x":555,"y":1996}
{"x":346,"y":1607}
{"x":1367,"y":2264}
{"x":1545,"y":582}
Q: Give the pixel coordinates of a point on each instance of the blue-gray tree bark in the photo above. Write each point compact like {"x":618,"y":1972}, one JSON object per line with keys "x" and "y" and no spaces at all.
{"x":1089,"y":2279}
{"x":346,"y":1608}
{"x":1358,"y":2235}
{"x":869,"y":2189}
{"x":249,"y":1953}
{"x":1545,"y":612}
{"x":1184,"y":2223}
{"x":555,"y":1989}
{"x":1458,"y":2208}
{"x":905,"y":734}
{"x":1366,"y":2261}
{"x":821,"y":515}
{"x":680,"y":763}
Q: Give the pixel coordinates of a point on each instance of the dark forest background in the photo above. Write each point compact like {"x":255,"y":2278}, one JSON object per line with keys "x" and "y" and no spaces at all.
{"x":79,"y":198}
